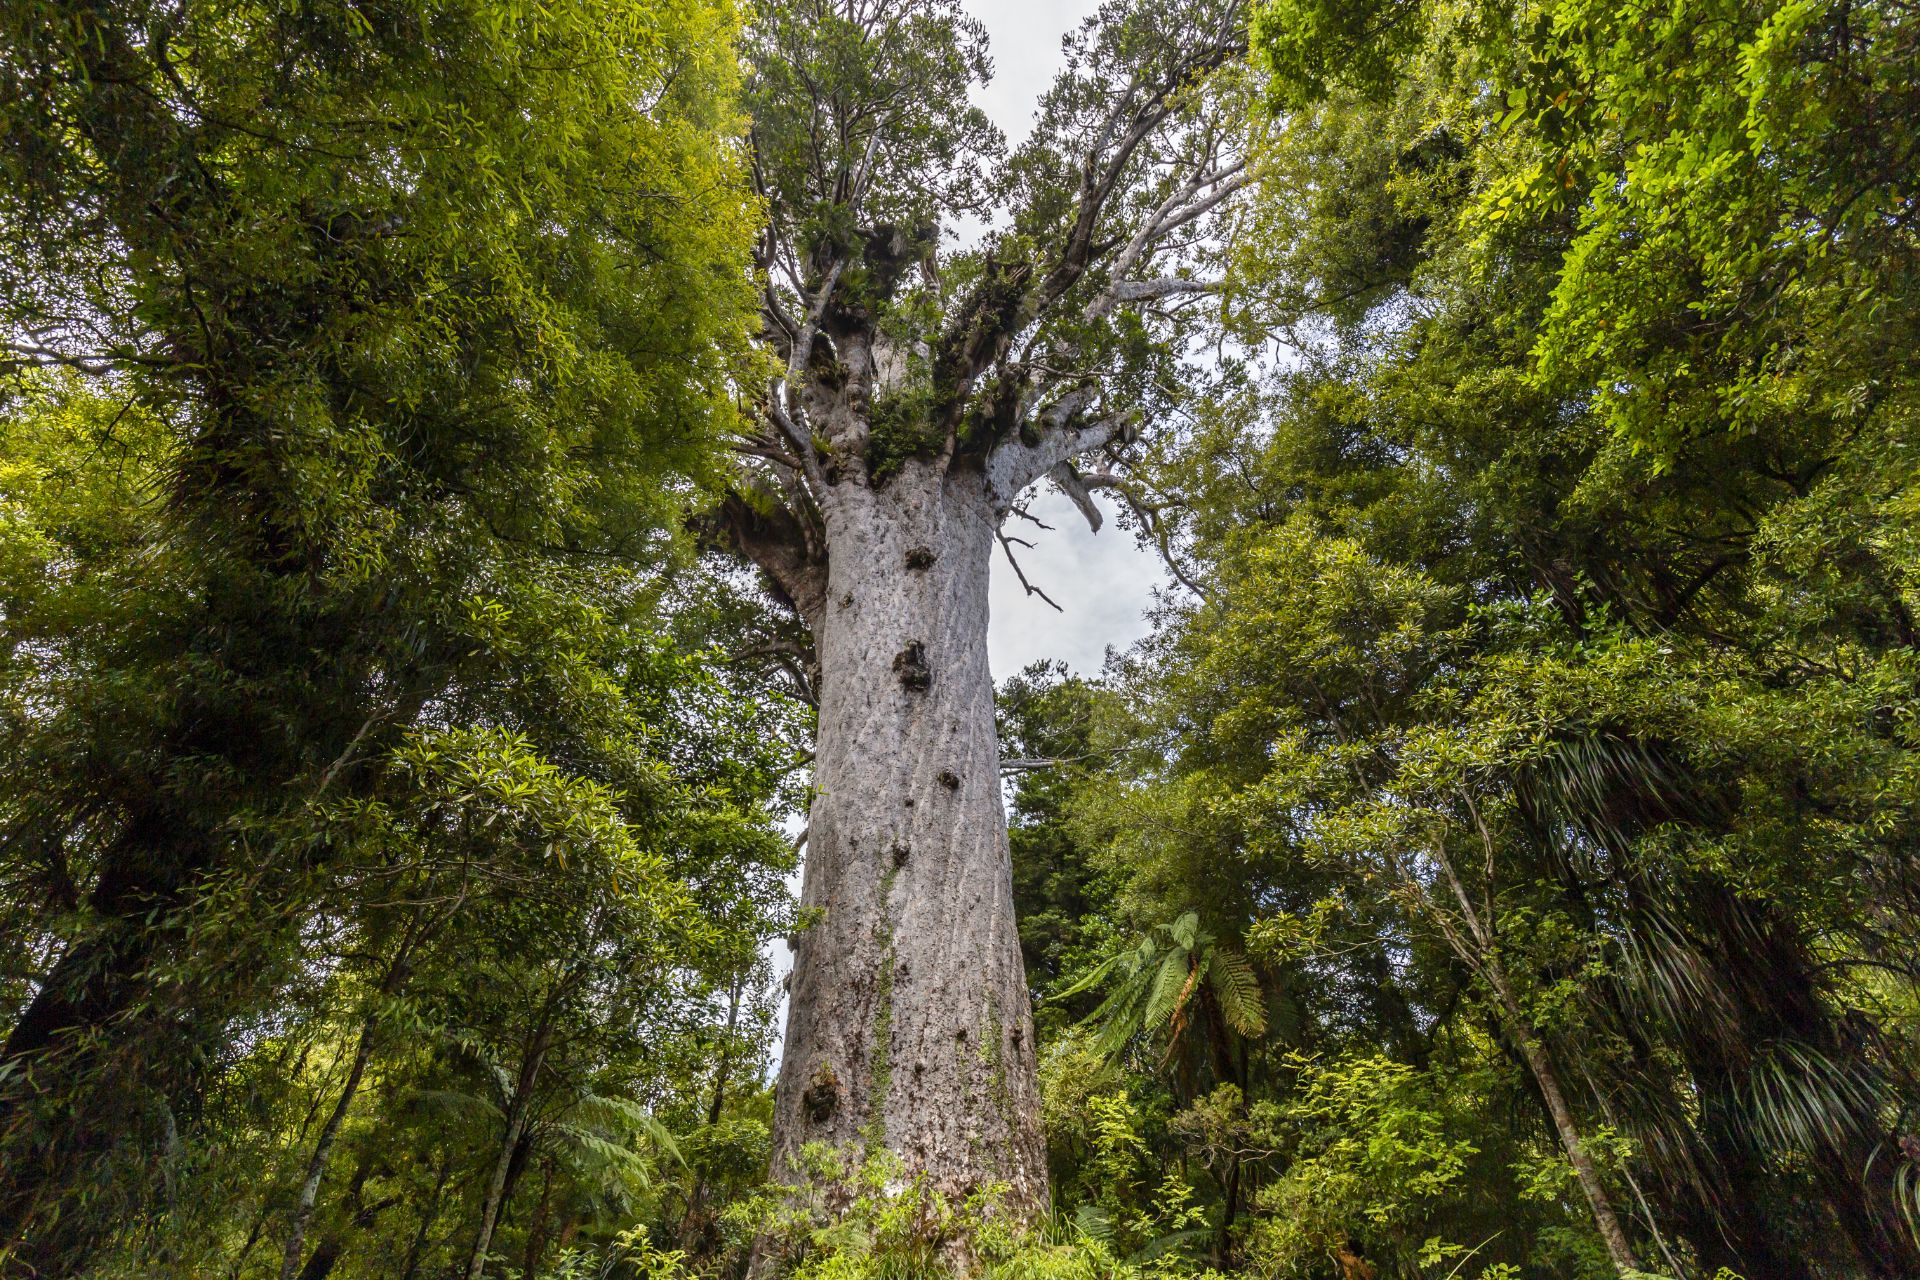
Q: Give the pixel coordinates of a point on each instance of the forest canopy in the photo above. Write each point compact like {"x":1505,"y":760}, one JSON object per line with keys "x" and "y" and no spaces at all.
{"x":490,"y":492}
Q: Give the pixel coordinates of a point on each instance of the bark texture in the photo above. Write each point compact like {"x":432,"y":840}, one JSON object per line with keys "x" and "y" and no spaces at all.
{"x":909,"y":1027}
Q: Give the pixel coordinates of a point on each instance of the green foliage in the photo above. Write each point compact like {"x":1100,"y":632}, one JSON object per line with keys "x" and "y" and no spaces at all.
{"x":363,"y":362}
{"x":1371,"y":1152}
{"x":1163,"y":978}
{"x":387,"y":843}
{"x":868,"y":1222}
{"x":1546,"y":713}
{"x":900,"y":429}
{"x":838,"y":90}
{"x":1309,"y":48}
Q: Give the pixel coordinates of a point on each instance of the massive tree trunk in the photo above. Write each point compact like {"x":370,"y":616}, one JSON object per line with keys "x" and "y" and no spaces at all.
{"x":909,"y":1028}
{"x":915,"y":406}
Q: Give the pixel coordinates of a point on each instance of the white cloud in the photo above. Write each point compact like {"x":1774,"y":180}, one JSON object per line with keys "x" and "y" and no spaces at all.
{"x":1103,"y":582}
{"x":1025,"y":37}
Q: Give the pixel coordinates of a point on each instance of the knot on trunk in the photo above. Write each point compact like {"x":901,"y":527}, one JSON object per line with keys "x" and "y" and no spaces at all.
{"x":949,"y":779}
{"x":911,"y":665}
{"x":920,"y":559}
{"x":822,"y":1097}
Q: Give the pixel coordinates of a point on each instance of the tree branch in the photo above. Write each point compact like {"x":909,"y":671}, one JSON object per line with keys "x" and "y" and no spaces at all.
{"x":773,"y":538}
{"x":1076,"y":490}
{"x":1019,"y":573}
{"x":1010,"y":297}
{"x":1014,"y":463}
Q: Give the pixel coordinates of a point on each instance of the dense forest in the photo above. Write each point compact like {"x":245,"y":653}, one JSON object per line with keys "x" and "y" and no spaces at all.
{"x":494,"y":491}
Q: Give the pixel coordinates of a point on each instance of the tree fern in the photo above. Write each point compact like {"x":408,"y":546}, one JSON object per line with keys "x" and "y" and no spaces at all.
{"x":1238,"y":991}
{"x":1153,"y":981}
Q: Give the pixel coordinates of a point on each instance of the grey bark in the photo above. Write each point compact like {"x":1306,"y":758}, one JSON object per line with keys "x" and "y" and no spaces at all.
{"x":390,"y":982}
{"x":909,"y":1029}
{"x":518,"y":1113}
{"x":496,"y":1190}
{"x":1568,"y":1130}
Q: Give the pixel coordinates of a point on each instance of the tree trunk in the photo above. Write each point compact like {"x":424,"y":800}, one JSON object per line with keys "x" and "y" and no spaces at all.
{"x":537,"y":1229}
{"x":909,"y":1029}
{"x":323,"y":1151}
{"x":1604,"y":1217}
{"x":496,"y":1194}
{"x":697,"y":1236}
{"x":417,"y":1249}
{"x":1483,"y":954}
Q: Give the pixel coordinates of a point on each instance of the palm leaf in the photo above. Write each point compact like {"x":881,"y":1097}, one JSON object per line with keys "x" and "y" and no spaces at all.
{"x":1800,"y":1099}
{"x":1906,"y":1192}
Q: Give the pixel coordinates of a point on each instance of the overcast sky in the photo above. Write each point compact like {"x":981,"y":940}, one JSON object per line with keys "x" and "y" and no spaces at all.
{"x":1103,"y":582}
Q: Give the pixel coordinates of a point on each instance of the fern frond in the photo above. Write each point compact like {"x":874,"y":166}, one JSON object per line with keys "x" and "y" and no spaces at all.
{"x":1238,"y":990}
{"x":1170,"y":986}
{"x":1185,"y":931}
{"x":453,"y":1102}
{"x":624,"y":1116}
{"x":1093,"y":1222}
{"x":593,"y":1155}
{"x":1093,"y":978}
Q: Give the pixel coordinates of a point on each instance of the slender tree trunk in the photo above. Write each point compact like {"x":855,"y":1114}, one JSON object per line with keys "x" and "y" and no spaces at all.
{"x":726,"y":1054}
{"x":909,"y":1029}
{"x":1483,"y":954}
{"x":537,"y":1229}
{"x":496,"y":1190}
{"x":360,"y":1216}
{"x":506,"y":1168}
{"x":428,"y":1216}
{"x":323,"y":1151}
{"x":1535,"y":1052}
{"x":696,"y":1226}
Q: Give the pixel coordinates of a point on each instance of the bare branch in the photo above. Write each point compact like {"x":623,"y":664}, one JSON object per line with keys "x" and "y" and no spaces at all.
{"x":1014,"y":464}
{"x":1149,"y":517}
{"x":1028,"y":516}
{"x":1149,"y":291}
{"x":1019,"y":573}
{"x":1071,"y":484}
{"x":802,"y":443}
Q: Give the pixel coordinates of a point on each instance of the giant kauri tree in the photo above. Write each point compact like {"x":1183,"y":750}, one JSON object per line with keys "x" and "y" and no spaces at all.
{"x":918,"y":390}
